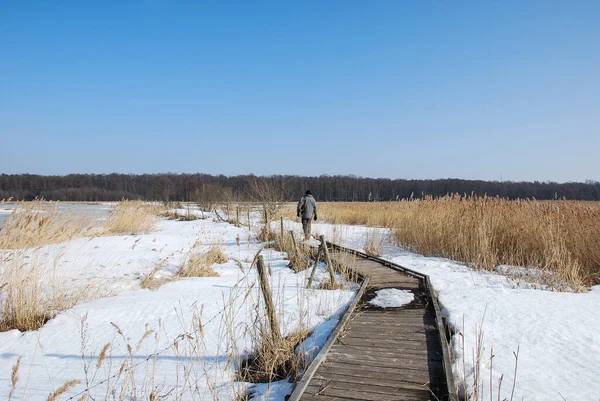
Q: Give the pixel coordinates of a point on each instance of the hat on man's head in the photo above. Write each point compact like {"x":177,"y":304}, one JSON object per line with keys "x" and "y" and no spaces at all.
{"x":308,"y":192}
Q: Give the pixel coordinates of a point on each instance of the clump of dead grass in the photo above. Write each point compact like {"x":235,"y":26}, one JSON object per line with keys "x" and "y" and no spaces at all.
{"x":38,"y":223}
{"x":299,"y":253}
{"x":301,"y":258}
{"x":176,"y":214}
{"x":328,"y":285}
{"x":131,"y":217}
{"x":23,"y":305}
{"x":274,"y":359}
{"x":150,"y":281}
{"x":30,"y":291}
{"x":373,"y":243}
{"x":199,"y":264}
{"x":265,"y":234}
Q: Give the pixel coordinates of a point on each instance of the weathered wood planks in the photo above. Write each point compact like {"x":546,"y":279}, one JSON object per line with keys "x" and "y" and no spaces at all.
{"x":383,"y":354}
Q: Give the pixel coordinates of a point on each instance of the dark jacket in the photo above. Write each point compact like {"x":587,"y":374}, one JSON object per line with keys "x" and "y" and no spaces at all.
{"x":307,"y":207}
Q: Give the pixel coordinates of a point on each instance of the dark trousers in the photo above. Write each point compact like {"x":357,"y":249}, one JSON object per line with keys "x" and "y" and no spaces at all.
{"x":306,"y":225}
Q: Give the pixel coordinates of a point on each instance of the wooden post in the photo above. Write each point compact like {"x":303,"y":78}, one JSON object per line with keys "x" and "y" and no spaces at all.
{"x":282,"y":233}
{"x":294,"y":242}
{"x":267,"y":223}
{"x":237,"y":217}
{"x":312,"y":273}
{"x":327,"y":259}
{"x":264,"y":285}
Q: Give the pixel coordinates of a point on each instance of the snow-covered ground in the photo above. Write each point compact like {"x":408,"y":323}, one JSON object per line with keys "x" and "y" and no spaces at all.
{"x":556,"y":334}
{"x":210,"y":319}
{"x":182,"y":338}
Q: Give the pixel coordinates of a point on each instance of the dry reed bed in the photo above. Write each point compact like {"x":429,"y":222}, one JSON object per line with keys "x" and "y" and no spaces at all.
{"x":30,"y":292}
{"x":38,"y":223}
{"x":561,"y":237}
{"x":31,"y":288}
{"x":131,"y":217}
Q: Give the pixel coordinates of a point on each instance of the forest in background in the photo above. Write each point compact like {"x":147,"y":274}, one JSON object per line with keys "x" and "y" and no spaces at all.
{"x":186,"y":187}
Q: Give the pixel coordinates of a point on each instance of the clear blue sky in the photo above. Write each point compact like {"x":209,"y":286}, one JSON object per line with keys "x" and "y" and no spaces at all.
{"x":400,"y":89}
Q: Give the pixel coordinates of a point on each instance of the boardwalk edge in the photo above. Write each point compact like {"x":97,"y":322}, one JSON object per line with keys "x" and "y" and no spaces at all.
{"x":314,"y":365}
{"x":445,"y":341}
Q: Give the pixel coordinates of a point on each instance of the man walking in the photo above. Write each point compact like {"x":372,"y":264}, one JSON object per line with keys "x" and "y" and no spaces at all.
{"x":307,"y":210}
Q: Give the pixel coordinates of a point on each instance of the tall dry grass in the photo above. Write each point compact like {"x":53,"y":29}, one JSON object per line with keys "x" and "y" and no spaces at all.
{"x":131,"y":217}
{"x":274,"y":359}
{"x":32,"y":291}
{"x":199,"y":264}
{"x":38,"y":223}
{"x":561,"y":237}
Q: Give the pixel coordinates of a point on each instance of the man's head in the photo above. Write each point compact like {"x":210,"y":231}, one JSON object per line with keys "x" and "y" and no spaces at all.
{"x":308,"y":192}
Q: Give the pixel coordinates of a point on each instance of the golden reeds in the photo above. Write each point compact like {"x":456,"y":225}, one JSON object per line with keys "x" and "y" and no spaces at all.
{"x":199,"y":264}
{"x":39,"y":223}
{"x":31,"y":293}
{"x":558,"y":236}
{"x":63,"y":389}
{"x":274,"y":359}
{"x":131,"y":217}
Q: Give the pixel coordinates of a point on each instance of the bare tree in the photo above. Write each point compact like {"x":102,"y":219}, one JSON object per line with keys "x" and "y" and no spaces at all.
{"x":270,"y":197}
{"x":209,"y":196}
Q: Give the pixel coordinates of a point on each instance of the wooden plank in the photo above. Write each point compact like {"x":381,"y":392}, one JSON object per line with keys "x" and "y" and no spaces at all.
{"x":350,"y":397}
{"x":417,"y":361}
{"x":383,"y":351}
{"x":351,"y":339}
{"x":397,"y":312}
{"x":370,"y":393}
{"x":375,"y":321}
{"x":400,"y":350}
{"x":384,"y":281}
{"x":390,"y":332}
{"x":373,"y":318}
{"x":384,"y":383}
{"x":399,"y":332}
{"x":395,"y":277}
{"x":386,"y":326}
{"x":384,"y":271}
{"x":376,"y":278}
{"x":391,"y":370}
{"x":390,"y":374}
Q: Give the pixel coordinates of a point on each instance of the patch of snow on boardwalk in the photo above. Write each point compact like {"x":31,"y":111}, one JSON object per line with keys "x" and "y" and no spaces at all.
{"x":392,"y":298}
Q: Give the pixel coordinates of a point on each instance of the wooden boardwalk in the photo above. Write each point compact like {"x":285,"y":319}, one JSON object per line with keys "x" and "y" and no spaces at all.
{"x":383,"y":354}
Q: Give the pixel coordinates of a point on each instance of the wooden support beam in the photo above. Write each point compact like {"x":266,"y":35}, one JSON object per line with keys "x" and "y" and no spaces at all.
{"x":327,"y":259}
{"x":270,"y":306}
{"x":312,"y":273}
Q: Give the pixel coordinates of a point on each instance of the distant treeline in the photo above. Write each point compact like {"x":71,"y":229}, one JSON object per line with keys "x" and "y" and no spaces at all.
{"x":181,"y":187}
